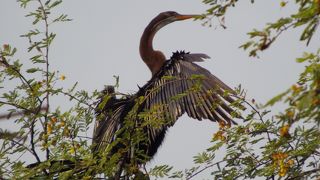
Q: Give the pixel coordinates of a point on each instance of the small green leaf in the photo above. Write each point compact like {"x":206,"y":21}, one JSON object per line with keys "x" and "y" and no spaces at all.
{"x":276,"y":98}
{"x":54,"y":4}
{"x":33,"y":70}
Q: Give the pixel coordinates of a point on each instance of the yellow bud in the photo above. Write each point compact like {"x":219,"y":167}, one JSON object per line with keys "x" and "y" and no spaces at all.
{"x":53,"y":120}
{"x":290,"y":114}
{"x":284,"y":131}
{"x":62,"y":77}
{"x":222,"y":124}
{"x":62,"y":123}
{"x":290,"y":162}
{"x":219,"y":136}
{"x":66,"y":132}
{"x":283,"y":171}
{"x":275,"y":156}
{"x":72,"y":150}
{"x":283,"y":155}
{"x":295,"y":88}
{"x":49,"y":128}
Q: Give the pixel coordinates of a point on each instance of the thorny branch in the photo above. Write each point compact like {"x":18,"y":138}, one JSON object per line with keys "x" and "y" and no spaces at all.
{"x":19,"y":113}
{"x":45,"y":18}
{"x":77,"y":99}
{"x":203,"y":169}
{"x":258,"y":113}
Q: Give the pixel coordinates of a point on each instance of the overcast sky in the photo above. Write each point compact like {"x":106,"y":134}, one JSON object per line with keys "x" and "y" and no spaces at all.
{"x":103,"y":40}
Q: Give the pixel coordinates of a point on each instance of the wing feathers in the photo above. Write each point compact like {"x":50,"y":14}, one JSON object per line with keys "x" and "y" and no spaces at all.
{"x":205,"y":97}
{"x":195,"y":57}
{"x":180,"y":86}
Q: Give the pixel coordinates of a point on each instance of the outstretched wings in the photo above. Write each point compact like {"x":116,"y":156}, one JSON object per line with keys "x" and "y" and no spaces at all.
{"x":183,"y":86}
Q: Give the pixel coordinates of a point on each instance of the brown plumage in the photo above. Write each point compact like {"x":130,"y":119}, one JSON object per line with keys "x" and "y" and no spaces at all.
{"x":177,"y":86}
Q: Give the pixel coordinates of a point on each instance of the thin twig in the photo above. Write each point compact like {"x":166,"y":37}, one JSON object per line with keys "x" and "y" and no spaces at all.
{"x":77,"y":99}
{"x":45,"y":18}
{"x":18,"y":113}
{"x":304,"y":174}
{"x":203,"y":169}
{"x":259,"y":114}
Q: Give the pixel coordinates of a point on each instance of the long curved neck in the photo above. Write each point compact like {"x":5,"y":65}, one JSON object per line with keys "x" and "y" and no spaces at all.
{"x":153,"y":59}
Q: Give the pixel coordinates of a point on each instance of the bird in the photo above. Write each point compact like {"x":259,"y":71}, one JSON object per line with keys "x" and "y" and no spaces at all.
{"x":178,"y":85}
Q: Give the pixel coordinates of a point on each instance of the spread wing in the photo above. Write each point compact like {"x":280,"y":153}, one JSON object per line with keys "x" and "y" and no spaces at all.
{"x":183,"y":86}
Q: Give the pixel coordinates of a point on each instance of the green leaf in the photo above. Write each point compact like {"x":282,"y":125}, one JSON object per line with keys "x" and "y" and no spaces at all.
{"x":203,"y":158}
{"x":309,"y":30}
{"x":305,"y":101}
{"x":54,"y":4}
{"x":246,"y":45}
{"x":62,"y":18}
{"x":33,"y":70}
{"x":160,"y":171}
{"x":276,"y":98}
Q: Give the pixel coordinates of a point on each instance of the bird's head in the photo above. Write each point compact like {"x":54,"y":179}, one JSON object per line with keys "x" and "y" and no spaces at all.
{"x":155,"y":59}
{"x":168,"y":17}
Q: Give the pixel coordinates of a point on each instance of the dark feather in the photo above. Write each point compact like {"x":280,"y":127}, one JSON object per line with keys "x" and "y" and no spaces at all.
{"x":180,"y":86}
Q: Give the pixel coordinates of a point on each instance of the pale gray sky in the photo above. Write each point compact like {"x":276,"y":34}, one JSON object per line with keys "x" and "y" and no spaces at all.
{"x":103,"y":39}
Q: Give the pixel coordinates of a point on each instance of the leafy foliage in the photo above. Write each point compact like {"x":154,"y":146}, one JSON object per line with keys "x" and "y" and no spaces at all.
{"x":44,"y":130}
{"x":283,"y":146}
{"x":272,"y":147}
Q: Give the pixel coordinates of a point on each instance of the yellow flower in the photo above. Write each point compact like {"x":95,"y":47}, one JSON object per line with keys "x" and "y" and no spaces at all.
{"x":222,"y":124}
{"x":279,"y":156}
{"x":66,"y":132}
{"x":291,"y":162}
{"x":290,"y":114}
{"x":295,"y":88}
{"x":62,"y":123}
{"x":53,"y":120}
{"x":62,"y":77}
{"x":219,"y":136}
{"x":279,"y":161}
{"x":284,"y":131}
{"x":283,"y":171}
{"x":72,"y":150}
{"x":49,"y":128}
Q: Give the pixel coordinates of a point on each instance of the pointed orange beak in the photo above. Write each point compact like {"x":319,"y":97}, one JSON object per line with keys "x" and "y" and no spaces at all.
{"x":184,"y":17}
